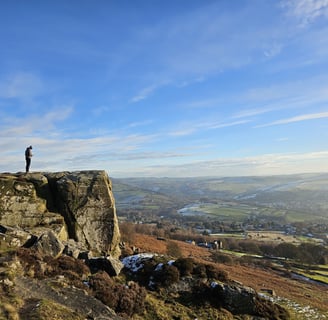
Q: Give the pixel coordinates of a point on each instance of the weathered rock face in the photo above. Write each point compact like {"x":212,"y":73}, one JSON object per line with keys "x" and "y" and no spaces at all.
{"x":86,"y":201}
{"x":74,"y":205}
{"x":22,"y":205}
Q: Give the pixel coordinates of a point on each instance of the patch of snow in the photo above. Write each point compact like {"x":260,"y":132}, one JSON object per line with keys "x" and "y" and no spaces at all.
{"x":159,"y":267}
{"x":135,"y":262}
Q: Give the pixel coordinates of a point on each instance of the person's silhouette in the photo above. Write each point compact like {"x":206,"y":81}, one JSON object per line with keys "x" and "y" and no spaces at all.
{"x":28,"y":157}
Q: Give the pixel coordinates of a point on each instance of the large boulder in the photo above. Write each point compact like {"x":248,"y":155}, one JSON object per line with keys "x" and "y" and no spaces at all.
{"x":74,"y":205}
{"x":108,"y":264}
{"x":86,"y":201}
{"x":237,"y":299}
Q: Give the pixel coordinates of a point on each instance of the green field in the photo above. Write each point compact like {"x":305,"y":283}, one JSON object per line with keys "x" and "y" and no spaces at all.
{"x":315,"y":275}
{"x":235,"y":212}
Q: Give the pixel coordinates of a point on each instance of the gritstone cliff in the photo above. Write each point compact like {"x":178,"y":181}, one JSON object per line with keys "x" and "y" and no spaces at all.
{"x":75,"y":206}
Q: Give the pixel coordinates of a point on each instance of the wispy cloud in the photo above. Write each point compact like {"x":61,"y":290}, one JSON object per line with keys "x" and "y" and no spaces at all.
{"x":227,"y":124}
{"x":34,"y":124}
{"x":192,"y":81}
{"x":291,"y":95}
{"x":304,"y":117}
{"x":149,"y":155}
{"x":266,"y":164}
{"x":59,"y":114}
{"x":195,"y":44}
{"x":149,"y":90}
{"x":144,"y":93}
{"x":306,"y":10}
{"x":191,"y":128}
{"x":20,"y":86}
{"x":139,"y":123}
{"x":272,"y":50}
{"x":253,"y":112}
{"x":51,"y":152}
{"x":182,"y":132}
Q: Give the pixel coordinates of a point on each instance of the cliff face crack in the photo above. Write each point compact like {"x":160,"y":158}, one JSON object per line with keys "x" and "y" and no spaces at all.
{"x":70,"y":222}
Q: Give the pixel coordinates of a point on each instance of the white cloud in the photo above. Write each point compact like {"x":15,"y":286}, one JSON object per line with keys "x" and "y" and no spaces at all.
{"x":226,"y":124}
{"x":267,"y":164}
{"x":192,"y":81}
{"x":192,"y":127}
{"x":272,"y":50}
{"x":252,"y":112}
{"x":306,"y":10}
{"x":139,"y":123}
{"x":182,"y":132}
{"x":126,"y":156}
{"x":54,"y":152}
{"x":293,"y":95}
{"x":61,"y":113}
{"x":34,"y":124}
{"x":144,"y":93}
{"x":304,"y":117}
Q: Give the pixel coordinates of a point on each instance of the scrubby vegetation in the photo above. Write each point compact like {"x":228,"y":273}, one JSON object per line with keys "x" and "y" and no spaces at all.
{"x":200,"y":285}
{"x":38,"y":266}
{"x":266,"y":272}
{"x":126,"y":300}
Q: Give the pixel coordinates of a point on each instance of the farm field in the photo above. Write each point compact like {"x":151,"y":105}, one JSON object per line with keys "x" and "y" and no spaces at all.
{"x":230,"y":211}
{"x":273,"y":236}
{"x":316,"y":273}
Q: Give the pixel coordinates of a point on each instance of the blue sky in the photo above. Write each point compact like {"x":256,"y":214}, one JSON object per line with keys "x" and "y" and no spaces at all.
{"x":165,"y":88}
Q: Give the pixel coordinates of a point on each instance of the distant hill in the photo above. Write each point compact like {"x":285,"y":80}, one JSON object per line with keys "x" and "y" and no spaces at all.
{"x":305,"y":193}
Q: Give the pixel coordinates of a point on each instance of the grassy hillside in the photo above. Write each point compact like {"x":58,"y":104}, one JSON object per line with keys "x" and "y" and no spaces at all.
{"x":303,"y":299}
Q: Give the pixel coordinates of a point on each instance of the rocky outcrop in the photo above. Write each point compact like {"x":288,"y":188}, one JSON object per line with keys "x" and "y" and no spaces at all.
{"x":73,"y":205}
{"x":209,"y":287}
{"x":22,"y":205}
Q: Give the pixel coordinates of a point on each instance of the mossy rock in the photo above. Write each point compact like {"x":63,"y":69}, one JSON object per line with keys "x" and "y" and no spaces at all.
{"x":45,"y":309}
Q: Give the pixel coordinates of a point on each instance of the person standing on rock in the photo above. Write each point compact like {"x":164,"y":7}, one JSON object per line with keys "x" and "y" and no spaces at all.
{"x":28,"y":157}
